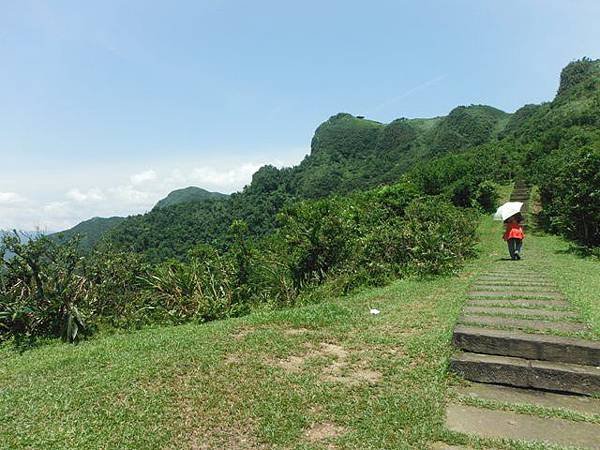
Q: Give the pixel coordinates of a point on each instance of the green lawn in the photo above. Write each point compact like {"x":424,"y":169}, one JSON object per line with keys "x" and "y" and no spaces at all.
{"x":298,"y":378}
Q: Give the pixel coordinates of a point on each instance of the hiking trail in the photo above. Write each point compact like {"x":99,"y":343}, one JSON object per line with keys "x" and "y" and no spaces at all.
{"x":531,"y":375}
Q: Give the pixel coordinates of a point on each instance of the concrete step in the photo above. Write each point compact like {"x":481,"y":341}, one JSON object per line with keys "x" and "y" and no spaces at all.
{"x":517,"y":396}
{"x":487,"y":423}
{"x":516,"y":276}
{"x":516,"y":293}
{"x":526,"y":345}
{"x":537,"y":312}
{"x":520,"y":303}
{"x":510,"y":277}
{"x":517,"y":284}
{"x":527,"y":373}
{"x":512,"y":287}
{"x":522,"y":324}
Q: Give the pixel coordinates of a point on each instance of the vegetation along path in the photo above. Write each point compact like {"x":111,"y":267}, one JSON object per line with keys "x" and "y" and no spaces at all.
{"x":327,"y":375}
{"x":523,"y":348}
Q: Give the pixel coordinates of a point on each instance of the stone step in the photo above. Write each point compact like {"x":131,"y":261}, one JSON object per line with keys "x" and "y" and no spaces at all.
{"x":518,"y":396}
{"x":507,"y":269}
{"x":515,"y":276}
{"x":508,"y":282}
{"x":512,"y":287}
{"x":543,"y":313}
{"x":526,"y":345}
{"x":522,"y":324}
{"x":513,"y":293}
{"x":514,"y":281}
{"x":527,"y":373}
{"x":487,"y":423}
{"x":520,"y":303}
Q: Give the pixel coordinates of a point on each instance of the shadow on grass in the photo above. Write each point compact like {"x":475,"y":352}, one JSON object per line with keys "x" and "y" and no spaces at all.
{"x":580,"y":251}
{"x":539,"y":228}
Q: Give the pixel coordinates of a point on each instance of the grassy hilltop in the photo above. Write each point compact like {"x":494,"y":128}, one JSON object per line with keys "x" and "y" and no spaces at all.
{"x":271,"y":289}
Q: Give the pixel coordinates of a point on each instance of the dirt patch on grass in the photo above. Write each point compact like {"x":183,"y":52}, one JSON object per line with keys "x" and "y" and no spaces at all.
{"x":324,"y":431}
{"x":237,"y":437}
{"x":234,"y":359}
{"x":293,"y":364}
{"x":242,"y":332}
{"x":340,"y":370}
{"x":296,"y":331}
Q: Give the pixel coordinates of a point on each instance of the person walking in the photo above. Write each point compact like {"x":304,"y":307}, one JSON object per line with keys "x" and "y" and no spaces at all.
{"x":514,"y":235}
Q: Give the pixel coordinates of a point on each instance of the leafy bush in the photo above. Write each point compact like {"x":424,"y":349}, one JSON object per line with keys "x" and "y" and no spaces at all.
{"x":570,"y":194}
{"x":41,"y":290}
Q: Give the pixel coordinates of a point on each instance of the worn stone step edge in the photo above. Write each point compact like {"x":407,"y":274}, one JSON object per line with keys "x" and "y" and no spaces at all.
{"x":526,"y":345}
{"x":521,"y":312}
{"x":516,"y":277}
{"x":512,"y":282}
{"x":513,"y":429}
{"x":523,"y":324}
{"x":521,"y":294}
{"x":512,"y":287}
{"x":516,"y":399}
{"x":527,"y":373}
{"x":549,"y":305}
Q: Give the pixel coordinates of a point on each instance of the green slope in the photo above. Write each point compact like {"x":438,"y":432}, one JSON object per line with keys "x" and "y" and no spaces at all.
{"x":298,"y":378}
{"x":347,"y":154}
{"x":351,"y":153}
{"x":90,"y":231}
{"x":187,"y":195}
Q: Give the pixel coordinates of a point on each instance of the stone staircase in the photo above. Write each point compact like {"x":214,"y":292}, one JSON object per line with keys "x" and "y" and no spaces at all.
{"x":529,"y":369}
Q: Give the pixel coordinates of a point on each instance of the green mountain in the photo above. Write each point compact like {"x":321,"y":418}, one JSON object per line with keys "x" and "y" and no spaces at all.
{"x":90,"y":231}
{"x":187,"y":195}
{"x":348,"y":154}
{"x":351,"y":153}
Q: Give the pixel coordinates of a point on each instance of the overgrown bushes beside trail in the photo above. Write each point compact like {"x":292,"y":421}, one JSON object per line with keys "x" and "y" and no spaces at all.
{"x":570,"y":193}
{"x":330,"y":245}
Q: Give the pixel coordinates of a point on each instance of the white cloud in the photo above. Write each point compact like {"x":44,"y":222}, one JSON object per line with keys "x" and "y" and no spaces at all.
{"x":130,"y":195}
{"x":224,"y":179}
{"x":142,"y":177}
{"x":93,"y":194}
{"x":58,"y":203}
{"x":7,"y":198}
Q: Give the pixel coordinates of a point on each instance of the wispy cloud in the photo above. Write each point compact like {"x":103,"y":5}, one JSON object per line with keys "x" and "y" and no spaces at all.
{"x":11,"y":198}
{"x":93,"y":194}
{"x":142,"y":177}
{"x":408,"y":93}
{"x":120,"y":194}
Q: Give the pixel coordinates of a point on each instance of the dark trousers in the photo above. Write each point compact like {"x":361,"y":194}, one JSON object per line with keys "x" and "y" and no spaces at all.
{"x":514,"y":248}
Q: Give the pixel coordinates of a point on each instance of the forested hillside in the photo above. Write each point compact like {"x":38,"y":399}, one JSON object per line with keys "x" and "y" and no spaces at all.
{"x":347,"y":154}
{"x":89,"y":231}
{"x":186,"y":195}
{"x":350,"y":154}
{"x":370,"y":204}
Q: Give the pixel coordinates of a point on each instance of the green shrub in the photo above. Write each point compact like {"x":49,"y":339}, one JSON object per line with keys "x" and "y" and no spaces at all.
{"x":42,"y":289}
{"x":570,"y":194}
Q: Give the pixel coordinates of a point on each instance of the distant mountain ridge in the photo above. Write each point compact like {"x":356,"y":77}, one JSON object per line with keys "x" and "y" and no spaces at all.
{"x":186,"y":195}
{"x":350,"y":153}
{"x":92,"y":230}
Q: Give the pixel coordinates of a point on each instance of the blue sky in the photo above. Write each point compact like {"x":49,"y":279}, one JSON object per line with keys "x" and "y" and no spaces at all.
{"x":105,"y":106}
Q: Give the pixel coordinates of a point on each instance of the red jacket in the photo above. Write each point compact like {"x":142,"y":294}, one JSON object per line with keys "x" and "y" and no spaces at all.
{"x":513,"y":231}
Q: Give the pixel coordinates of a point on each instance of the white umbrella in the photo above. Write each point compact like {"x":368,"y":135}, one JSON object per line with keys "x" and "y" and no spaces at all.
{"x":507,"y":210}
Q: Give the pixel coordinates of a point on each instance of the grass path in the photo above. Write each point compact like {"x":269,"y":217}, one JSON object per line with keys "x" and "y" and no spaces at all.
{"x":326,"y":374}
